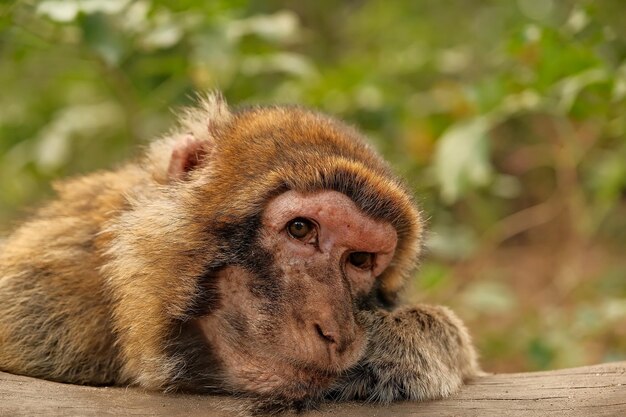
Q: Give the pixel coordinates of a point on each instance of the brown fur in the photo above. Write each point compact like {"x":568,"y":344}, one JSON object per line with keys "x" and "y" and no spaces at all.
{"x":101,"y":286}
{"x":414,"y":353}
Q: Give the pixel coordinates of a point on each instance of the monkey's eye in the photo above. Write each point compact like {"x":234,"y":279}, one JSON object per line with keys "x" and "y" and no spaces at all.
{"x":362,"y":260}
{"x":300,"y":228}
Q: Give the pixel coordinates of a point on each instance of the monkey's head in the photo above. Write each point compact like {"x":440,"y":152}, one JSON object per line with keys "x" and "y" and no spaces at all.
{"x":280,"y":224}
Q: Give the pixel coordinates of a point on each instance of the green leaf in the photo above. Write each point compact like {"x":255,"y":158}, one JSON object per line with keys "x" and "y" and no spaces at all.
{"x":103,"y":38}
{"x":65,"y":11}
{"x":282,"y":26}
{"x":540,"y":353}
{"x":453,"y":243}
{"x":569,"y":88}
{"x":433,"y":275}
{"x":462,"y":158}
{"x":59,"y":11}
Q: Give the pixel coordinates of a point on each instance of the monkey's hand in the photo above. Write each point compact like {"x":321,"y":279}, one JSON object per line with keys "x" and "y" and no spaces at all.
{"x":414,"y":353}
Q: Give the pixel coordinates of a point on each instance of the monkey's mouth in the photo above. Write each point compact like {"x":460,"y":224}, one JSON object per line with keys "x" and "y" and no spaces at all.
{"x":282,"y":380}
{"x":260,"y":374}
{"x":292,"y":378}
{"x":246,"y":371}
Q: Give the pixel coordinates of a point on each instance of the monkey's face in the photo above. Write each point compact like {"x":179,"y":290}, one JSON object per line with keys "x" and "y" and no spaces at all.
{"x":286,"y":324}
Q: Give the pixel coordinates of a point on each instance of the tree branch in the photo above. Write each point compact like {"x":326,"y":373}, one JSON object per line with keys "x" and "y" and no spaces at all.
{"x":593,"y":390}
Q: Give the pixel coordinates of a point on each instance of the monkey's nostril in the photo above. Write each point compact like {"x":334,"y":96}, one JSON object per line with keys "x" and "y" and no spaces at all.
{"x":329,"y":337}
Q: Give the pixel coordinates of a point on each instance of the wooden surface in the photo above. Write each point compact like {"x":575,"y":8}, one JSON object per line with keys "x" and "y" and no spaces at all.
{"x":589,"y":391}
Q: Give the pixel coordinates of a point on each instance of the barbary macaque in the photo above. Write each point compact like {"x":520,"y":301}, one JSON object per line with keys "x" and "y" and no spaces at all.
{"x":257,"y":251}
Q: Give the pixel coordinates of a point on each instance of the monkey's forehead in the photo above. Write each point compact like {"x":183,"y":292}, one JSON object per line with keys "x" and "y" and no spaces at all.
{"x":261,"y":152}
{"x":291,"y":128}
{"x":268,"y":150}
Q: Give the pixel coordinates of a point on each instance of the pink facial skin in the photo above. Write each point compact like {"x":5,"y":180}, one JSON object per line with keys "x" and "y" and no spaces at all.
{"x":341,"y":229}
{"x":301,"y":337}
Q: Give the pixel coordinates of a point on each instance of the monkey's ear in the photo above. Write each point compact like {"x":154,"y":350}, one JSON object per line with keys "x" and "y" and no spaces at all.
{"x":187,"y":154}
{"x":174,"y":158}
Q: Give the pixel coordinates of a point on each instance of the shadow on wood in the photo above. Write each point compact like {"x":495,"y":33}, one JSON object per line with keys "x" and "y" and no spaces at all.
{"x":593,"y":390}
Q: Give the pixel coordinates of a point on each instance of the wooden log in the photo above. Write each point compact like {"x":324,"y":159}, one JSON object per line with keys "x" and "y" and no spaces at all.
{"x":588,"y":391}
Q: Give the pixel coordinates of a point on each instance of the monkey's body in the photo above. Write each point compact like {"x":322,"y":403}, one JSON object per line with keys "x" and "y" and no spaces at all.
{"x":56,"y":319}
{"x":169,"y":273}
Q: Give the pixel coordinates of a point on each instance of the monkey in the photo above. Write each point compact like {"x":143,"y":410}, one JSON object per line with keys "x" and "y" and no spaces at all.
{"x":256,"y":251}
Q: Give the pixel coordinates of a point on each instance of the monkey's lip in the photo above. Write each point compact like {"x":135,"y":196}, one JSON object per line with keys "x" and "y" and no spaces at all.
{"x":299,"y":383}
{"x":271,"y":371}
{"x":285,"y":380}
{"x":312,"y":378}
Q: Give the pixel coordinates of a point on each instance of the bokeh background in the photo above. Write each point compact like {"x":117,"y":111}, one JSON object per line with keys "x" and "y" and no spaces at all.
{"x":506,"y":117}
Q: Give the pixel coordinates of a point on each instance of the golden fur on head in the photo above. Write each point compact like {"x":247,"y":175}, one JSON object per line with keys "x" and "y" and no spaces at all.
{"x":280,"y":148}
{"x":260,"y":150}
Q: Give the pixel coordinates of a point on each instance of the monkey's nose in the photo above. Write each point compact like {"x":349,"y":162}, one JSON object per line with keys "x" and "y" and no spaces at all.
{"x":336,"y":340}
{"x":327,"y":333}
{"x":334,"y":343}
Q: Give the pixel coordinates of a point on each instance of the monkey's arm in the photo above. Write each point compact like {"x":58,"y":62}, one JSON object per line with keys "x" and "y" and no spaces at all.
{"x":414,"y":353}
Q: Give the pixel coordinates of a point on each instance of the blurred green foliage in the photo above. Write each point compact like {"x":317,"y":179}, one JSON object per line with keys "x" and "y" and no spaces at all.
{"x":506,"y":118}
